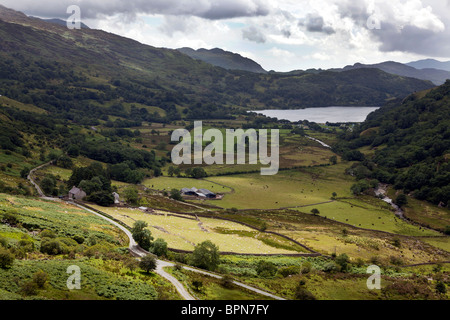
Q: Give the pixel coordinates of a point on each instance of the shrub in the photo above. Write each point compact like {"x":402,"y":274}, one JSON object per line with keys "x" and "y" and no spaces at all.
{"x":306,"y":267}
{"x":53,"y":247}
{"x":301,"y":293}
{"x":440,"y":287}
{"x":331,"y":267}
{"x":227,"y":281}
{"x":6,"y":258}
{"x":198,"y":285}
{"x":48,"y":234}
{"x":28,"y":288}
{"x":288,"y":271}
{"x":40,"y":278}
{"x":266,"y":269}
{"x":343,"y":261}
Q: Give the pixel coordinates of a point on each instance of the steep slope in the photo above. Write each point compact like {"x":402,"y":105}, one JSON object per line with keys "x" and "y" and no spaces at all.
{"x":412,"y":143}
{"x":224,"y":59}
{"x":438,"y":77}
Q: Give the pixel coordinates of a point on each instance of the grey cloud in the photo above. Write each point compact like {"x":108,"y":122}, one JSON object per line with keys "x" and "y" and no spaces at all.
{"x":91,"y":9}
{"x":316,"y":23}
{"x":396,"y":36}
{"x":253,"y":34}
{"x":412,"y":39}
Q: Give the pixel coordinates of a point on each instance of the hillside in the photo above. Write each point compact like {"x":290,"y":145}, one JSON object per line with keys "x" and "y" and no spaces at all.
{"x":410,"y":140}
{"x":436,"y":76}
{"x":84,"y":74}
{"x":224,"y":59}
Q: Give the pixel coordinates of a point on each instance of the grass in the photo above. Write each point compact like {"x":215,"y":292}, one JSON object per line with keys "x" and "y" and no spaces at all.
{"x":361,"y":214}
{"x":184,"y":234}
{"x":286,"y":189}
{"x":212,"y":288}
{"x":61,"y":218}
{"x":427,"y":214}
{"x":169,"y":183}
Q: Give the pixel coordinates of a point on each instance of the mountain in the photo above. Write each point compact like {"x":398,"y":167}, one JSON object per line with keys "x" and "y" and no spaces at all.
{"x":430,"y":63}
{"x":87,"y":75}
{"x":62,"y":22}
{"x":410,"y":142}
{"x":436,"y":76}
{"x":224,"y":59}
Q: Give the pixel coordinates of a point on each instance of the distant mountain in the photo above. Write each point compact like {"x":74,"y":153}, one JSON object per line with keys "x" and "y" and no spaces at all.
{"x":63,"y":22}
{"x":430,"y":63}
{"x":224,"y":59}
{"x":436,"y":76}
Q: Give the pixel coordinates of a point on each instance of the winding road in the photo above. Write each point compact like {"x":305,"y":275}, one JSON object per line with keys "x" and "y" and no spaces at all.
{"x":139,"y":252}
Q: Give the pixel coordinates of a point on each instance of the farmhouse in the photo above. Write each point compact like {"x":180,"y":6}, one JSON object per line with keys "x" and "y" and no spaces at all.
{"x":201,"y":193}
{"x":76,"y":194}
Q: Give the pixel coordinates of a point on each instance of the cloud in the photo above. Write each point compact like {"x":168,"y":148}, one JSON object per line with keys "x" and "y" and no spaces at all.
{"x":315,"y":23}
{"x":254,"y":35}
{"x":91,"y":9}
{"x":414,"y":26}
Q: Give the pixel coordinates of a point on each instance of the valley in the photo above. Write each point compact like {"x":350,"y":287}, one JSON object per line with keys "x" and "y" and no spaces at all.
{"x":87,"y":178}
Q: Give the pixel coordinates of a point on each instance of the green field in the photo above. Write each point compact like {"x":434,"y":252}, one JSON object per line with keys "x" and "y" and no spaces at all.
{"x":169,"y":183}
{"x":364,"y":215}
{"x":184,"y":232}
{"x":286,"y":189}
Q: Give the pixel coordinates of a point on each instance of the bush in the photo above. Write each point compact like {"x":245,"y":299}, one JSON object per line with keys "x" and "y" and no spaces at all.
{"x":343,"y":261}
{"x":440,"y":287}
{"x":227,"y":282}
{"x":331,"y":267}
{"x":288,"y":271}
{"x":29,"y":288}
{"x":48,"y":234}
{"x":6,"y":258}
{"x":301,"y":293}
{"x":53,"y":247}
{"x":266,"y":269}
{"x":40,"y":278}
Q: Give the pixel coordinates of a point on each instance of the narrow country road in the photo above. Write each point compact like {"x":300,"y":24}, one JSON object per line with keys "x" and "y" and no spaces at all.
{"x":139,"y":252}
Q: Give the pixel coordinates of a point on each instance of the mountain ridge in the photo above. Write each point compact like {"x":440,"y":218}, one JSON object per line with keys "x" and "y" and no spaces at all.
{"x":224,"y":59}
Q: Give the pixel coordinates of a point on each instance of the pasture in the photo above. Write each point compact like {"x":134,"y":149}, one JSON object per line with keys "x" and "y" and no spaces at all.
{"x":184,"y":232}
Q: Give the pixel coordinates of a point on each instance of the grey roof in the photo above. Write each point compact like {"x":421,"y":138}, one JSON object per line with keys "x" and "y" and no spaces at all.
{"x":75,"y":190}
{"x":205,"y":191}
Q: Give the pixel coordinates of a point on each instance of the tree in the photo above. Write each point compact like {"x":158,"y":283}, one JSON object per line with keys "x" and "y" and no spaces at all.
{"x":24,"y":172}
{"x":148,"y":263}
{"x":315,"y":211}
{"x":142,"y":235}
{"x":206,"y":255}
{"x":176,"y":195}
{"x":48,"y":185}
{"x":159,"y":247}
{"x":401,"y":200}
{"x":198,"y":173}
{"x":131,"y":195}
{"x":333,"y":195}
{"x":171,"y":171}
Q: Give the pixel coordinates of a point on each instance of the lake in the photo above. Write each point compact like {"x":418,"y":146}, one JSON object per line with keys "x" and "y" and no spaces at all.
{"x":321,"y":115}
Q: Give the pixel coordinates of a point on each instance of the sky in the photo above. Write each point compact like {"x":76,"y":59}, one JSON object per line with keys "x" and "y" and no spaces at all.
{"x":281,"y":35}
